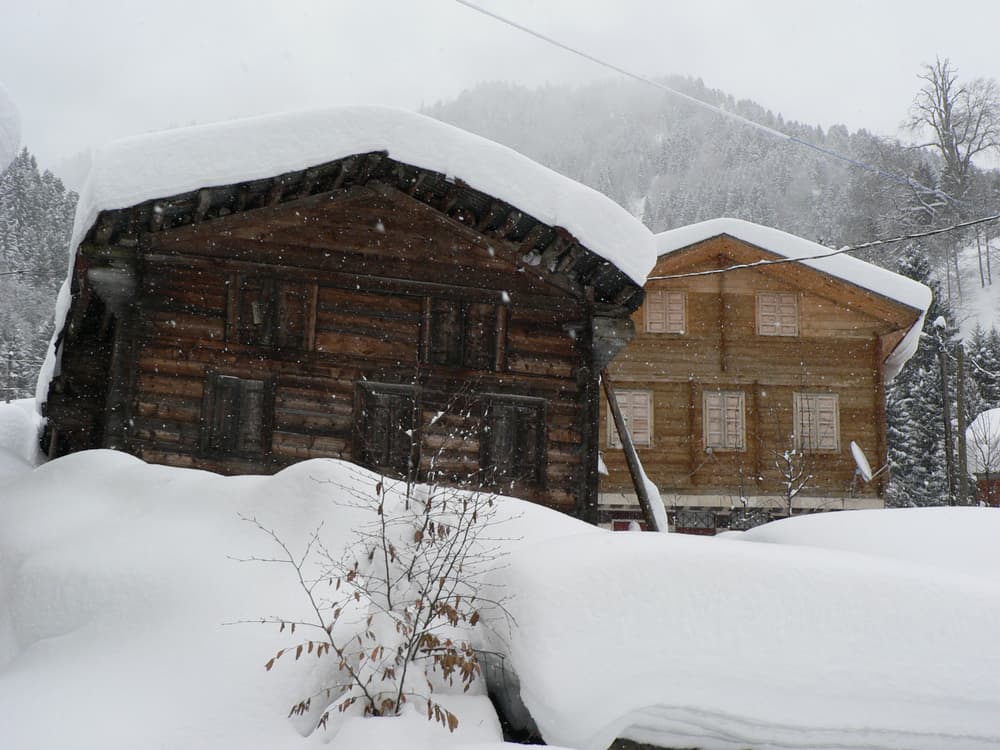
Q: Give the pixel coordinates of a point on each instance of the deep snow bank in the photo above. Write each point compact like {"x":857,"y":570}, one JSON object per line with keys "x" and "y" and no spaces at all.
{"x":116,"y":579}
{"x":696,"y":642}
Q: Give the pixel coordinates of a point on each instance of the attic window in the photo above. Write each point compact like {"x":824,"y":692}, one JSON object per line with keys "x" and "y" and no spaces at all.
{"x":666,"y":311}
{"x":778,"y":314}
{"x":461,"y":334}
{"x":272,"y":313}
{"x":512,"y":442}
{"x":236,"y":417}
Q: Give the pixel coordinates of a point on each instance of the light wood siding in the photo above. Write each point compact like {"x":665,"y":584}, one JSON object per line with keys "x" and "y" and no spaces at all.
{"x":838,"y":349}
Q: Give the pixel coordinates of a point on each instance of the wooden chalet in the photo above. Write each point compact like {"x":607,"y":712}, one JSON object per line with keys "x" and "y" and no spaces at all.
{"x":361,"y":307}
{"x":739,"y":385}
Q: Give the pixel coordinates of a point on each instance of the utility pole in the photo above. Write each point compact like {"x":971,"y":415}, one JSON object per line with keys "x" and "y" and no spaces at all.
{"x":963,"y":461}
{"x":949,"y":444}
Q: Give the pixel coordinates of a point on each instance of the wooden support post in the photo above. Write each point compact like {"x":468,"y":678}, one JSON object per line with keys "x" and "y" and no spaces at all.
{"x":949,"y":441}
{"x":962,"y":470}
{"x":631,"y":457}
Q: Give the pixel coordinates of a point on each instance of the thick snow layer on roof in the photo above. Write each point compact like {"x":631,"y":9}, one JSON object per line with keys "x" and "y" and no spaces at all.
{"x":983,"y":440}
{"x":176,"y":161}
{"x":145,"y":167}
{"x":116,"y":578}
{"x":875,"y":279}
{"x":10,"y":129}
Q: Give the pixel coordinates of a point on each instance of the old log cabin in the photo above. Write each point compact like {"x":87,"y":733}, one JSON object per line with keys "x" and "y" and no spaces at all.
{"x":744,"y":390}
{"x":357,"y":283}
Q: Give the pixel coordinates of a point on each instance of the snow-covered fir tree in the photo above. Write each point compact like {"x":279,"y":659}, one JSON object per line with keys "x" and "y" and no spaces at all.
{"x":36,"y":218}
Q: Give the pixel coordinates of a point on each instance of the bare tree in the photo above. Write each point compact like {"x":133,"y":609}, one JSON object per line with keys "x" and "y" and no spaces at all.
{"x":398,"y":609}
{"x":984,"y":453}
{"x":961,"y":120}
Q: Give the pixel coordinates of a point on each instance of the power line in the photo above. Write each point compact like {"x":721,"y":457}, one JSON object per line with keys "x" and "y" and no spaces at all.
{"x":901,"y":179}
{"x":831,"y":253}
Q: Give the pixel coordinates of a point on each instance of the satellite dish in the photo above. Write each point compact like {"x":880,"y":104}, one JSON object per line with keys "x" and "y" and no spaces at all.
{"x":861,"y":461}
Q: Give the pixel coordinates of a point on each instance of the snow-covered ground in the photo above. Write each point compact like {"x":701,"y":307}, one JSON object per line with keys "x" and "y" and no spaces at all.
{"x":851,"y":630}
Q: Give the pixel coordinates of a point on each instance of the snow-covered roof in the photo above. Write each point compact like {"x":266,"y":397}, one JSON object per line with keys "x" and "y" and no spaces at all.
{"x":162,"y":164}
{"x":10,"y":129}
{"x":868,"y":276}
{"x":172,"y":162}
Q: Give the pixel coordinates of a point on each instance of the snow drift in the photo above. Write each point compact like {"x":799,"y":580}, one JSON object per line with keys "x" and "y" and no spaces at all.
{"x":116,"y":578}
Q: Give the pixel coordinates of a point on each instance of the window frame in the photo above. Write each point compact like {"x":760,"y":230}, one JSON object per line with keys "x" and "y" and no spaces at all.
{"x":626,"y":395}
{"x":724,"y":445}
{"x":659,"y":302}
{"x":801,"y":398}
{"x":366,"y":391}
{"x":778,"y":327}
{"x":217,"y":438}
{"x":259,"y":322}
{"x":460,"y":347}
{"x":490,"y":473}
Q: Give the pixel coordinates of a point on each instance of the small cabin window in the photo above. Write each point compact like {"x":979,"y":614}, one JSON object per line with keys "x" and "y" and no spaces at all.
{"x":512,"y":441}
{"x":236,"y":417}
{"x":724,"y":420}
{"x":272,"y":313}
{"x":637,"y":412}
{"x":817,"y":422}
{"x":387,"y":437}
{"x":666,"y":311}
{"x":461,"y":334}
{"x":778,"y":314}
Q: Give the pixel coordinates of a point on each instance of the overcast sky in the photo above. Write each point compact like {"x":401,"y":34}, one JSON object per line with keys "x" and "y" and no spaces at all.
{"x":85,"y":73}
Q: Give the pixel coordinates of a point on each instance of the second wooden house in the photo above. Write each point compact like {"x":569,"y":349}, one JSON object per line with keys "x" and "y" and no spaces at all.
{"x":755,"y":389}
{"x":363,"y":284}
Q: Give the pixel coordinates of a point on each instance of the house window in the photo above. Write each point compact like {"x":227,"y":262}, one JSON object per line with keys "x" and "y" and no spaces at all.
{"x":386,"y":419}
{"x":512,"y":440}
{"x":460,"y":334}
{"x":637,"y":412}
{"x":817,"y":422}
{"x":666,"y":311}
{"x":724,"y":420}
{"x":236,"y":418}
{"x":272,"y":313}
{"x":778,"y":314}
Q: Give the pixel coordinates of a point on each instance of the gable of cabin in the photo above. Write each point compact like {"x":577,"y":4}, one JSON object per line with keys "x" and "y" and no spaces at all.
{"x":363,"y":309}
{"x":730,"y":372}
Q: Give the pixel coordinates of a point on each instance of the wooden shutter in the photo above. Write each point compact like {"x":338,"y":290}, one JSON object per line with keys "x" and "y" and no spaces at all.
{"x":480,"y":336}
{"x":387,"y":429}
{"x":236,"y":417}
{"x":512,"y":442}
{"x":723,"y":416}
{"x":445,"y":332}
{"x":636,"y":410}
{"x":778,"y":314}
{"x":255,"y":314}
{"x":817,"y":421}
{"x":665,"y":311}
{"x":293,"y":315}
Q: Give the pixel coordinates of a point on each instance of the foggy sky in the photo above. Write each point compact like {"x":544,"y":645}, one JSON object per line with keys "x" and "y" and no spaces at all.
{"x":83,"y":74}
